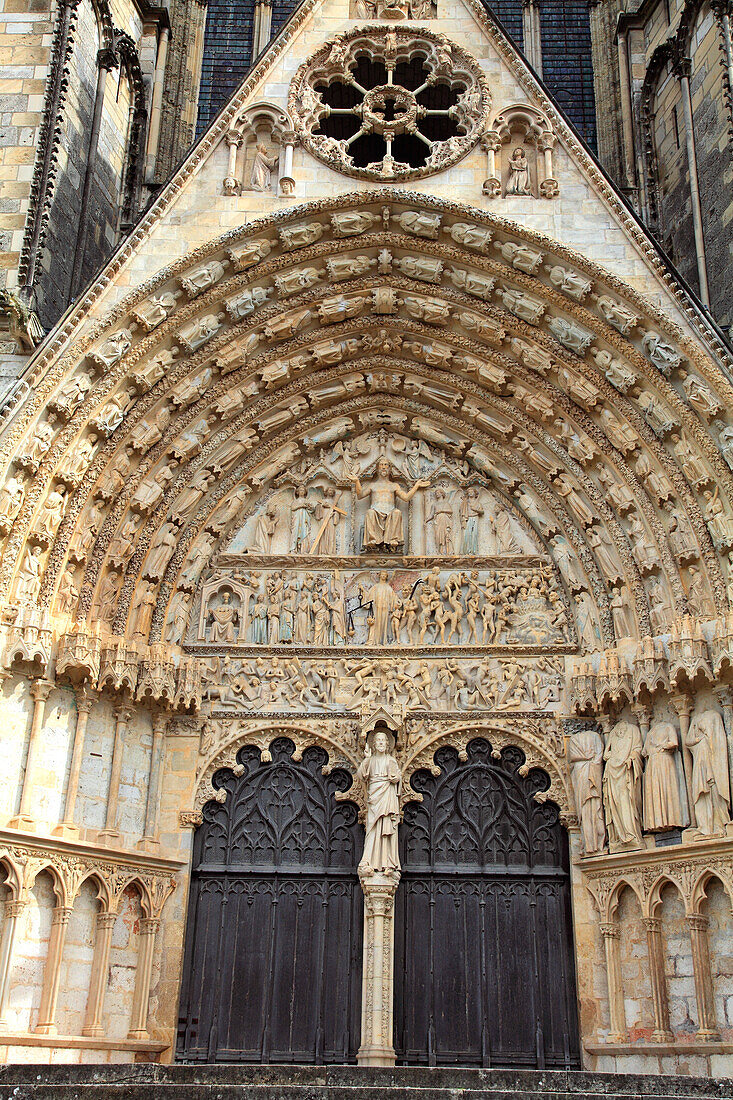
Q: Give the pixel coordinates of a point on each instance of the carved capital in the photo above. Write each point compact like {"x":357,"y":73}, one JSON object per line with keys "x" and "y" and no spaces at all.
{"x":610,"y":929}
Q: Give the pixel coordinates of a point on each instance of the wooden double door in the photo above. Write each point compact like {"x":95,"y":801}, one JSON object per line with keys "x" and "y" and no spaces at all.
{"x":484,"y":971}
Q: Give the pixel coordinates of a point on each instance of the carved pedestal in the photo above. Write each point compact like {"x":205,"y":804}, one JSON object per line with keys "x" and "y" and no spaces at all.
{"x":377,"y":1043}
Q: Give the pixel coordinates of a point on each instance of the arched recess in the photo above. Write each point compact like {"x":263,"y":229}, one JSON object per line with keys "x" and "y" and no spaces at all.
{"x":484,"y":970}
{"x":272,"y":968}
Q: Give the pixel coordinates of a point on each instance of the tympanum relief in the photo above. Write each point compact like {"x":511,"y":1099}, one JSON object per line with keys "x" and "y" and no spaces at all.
{"x":380,"y":543}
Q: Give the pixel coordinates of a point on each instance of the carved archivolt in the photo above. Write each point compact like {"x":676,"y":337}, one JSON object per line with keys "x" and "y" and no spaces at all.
{"x":216,"y":424}
{"x":386,"y":103}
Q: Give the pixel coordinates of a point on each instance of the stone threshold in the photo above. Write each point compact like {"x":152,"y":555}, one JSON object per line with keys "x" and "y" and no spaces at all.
{"x":81,"y":1042}
{"x":682,"y":1047}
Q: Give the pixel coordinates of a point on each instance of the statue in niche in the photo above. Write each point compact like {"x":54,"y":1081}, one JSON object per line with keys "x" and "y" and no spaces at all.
{"x":223,"y":619}
{"x":265,"y":525}
{"x":381,"y":776}
{"x":706,"y":741}
{"x":622,"y":784}
{"x":441,"y":515}
{"x":11,"y":500}
{"x":50,"y":516}
{"x":300,"y":512}
{"x":519,"y":182}
{"x":68,"y":592}
{"x":470,"y":512}
{"x":698,"y":594}
{"x":383,"y":599}
{"x":717,"y":518}
{"x":661,"y":611}
{"x":142,"y":610}
{"x":328,"y":515}
{"x":383,"y":525}
{"x":29,"y":577}
{"x":262,"y":166}
{"x":585,"y":759}
{"x":662,"y":802}
{"x":621,"y":613}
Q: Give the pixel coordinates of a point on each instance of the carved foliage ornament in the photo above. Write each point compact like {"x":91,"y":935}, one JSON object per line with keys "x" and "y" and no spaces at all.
{"x":382,"y":103}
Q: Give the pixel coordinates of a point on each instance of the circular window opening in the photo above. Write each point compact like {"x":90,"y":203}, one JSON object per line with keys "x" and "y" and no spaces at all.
{"x":387,"y":106}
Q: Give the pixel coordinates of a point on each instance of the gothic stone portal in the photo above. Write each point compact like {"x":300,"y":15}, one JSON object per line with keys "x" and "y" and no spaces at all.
{"x":484,"y":971}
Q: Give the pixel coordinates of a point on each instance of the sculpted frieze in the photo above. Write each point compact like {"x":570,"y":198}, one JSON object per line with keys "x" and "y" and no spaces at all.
{"x":344,"y":607}
{"x":402,"y":685}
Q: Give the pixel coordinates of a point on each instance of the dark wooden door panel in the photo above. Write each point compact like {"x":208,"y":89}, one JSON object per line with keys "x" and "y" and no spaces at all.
{"x":273,"y":951}
{"x":484,"y":972}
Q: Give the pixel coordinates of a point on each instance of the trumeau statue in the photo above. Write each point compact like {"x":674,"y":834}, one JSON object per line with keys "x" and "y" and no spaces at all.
{"x":585,"y":759}
{"x":622,"y":785}
{"x":381,"y":776}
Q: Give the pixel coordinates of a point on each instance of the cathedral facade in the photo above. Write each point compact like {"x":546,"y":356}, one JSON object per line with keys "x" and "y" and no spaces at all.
{"x":366,"y":643}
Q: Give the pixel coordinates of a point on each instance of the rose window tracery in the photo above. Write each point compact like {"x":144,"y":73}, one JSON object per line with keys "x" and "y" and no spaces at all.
{"x":382,"y":103}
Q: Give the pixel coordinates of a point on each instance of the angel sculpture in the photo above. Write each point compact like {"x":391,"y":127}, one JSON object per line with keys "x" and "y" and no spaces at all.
{"x":348,"y":451}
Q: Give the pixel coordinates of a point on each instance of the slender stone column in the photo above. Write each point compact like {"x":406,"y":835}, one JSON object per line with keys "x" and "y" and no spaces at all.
{"x":262,"y":27}
{"x":52,"y":971}
{"x":40,"y":690}
{"x":682,"y":70}
{"x":150,"y":837}
{"x":13,"y":910}
{"x":84,"y":702}
{"x":156,"y":107}
{"x":139,"y":1019}
{"x":98,"y":978}
{"x":611,"y":933}
{"x":655,"y":949}
{"x":110,"y":832}
{"x":698,"y":927}
{"x":377,"y":1010}
{"x":286,"y":181}
{"x":627,"y":114}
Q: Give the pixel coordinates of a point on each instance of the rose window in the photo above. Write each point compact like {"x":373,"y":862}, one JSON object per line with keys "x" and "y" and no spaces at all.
{"x":382,"y":103}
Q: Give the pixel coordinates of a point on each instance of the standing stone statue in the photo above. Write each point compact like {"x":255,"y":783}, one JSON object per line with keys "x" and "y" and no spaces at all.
{"x":383,"y":599}
{"x":585,"y":759}
{"x":383,"y":526}
{"x":710,"y":780}
{"x":662,"y":802}
{"x":519,"y":182}
{"x":622,"y":784}
{"x":381,"y":775}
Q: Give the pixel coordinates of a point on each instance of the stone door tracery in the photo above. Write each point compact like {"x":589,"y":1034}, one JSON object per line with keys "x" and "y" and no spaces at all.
{"x":272,"y":969}
{"x":484,"y":971}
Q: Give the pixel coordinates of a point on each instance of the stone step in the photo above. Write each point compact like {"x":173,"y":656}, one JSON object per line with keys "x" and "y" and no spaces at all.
{"x":252,"y":1082}
{"x":172,"y":1090}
